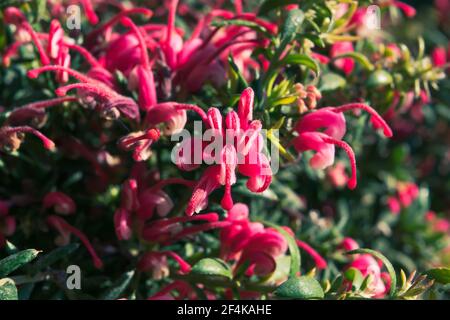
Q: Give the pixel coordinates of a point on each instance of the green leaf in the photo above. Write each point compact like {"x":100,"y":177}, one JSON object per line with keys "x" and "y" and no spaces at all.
{"x":303,"y":287}
{"x":242,"y":23}
{"x":317,"y":40}
{"x":15,"y":261}
{"x":293,"y":249}
{"x":291,"y":26}
{"x":238,"y":72}
{"x":441,"y":275}
{"x":387,"y":264}
{"x":332,"y":81}
{"x":53,"y":256}
{"x":270,"y":5}
{"x":118,"y":287}
{"x":8,"y":290}
{"x":212,"y":267}
{"x":301,"y":59}
{"x":337,"y":283}
{"x":379,"y":79}
{"x":10,"y":248}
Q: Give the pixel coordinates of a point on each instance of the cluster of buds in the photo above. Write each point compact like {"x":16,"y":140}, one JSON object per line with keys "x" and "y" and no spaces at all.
{"x":307,"y":97}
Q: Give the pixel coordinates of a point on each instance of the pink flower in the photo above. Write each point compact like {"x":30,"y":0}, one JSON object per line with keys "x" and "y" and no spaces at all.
{"x":332,"y":124}
{"x":440,"y":225}
{"x":261,"y":251}
{"x":60,"y":202}
{"x":394,"y":205}
{"x":243,"y":153}
{"x":202,"y":56}
{"x":345,"y":64}
{"x":367,"y":265}
{"x":407,"y":193}
{"x":439,"y":56}
{"x":349,"y":244}
{"x":249,"y":242}
{"x":236,"y":236}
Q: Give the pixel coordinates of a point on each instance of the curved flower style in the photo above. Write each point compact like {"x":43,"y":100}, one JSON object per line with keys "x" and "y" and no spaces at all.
{"x":324,"y":129}
{"x":65,"y":230}
{"x":11,"y":137}
{"x":94,"y":92}
{"x":183,"y":289}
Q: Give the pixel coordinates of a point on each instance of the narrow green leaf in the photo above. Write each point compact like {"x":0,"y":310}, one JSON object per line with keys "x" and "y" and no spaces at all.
{"x":379,"y":78}
{"x":53,"y":256}
{"x":355,"y":277}
{"x":291,"y":26}
{"x":15,"y":261}
{"x":301,"y":59}
{"x":238,"y":72}
{"x":303,"y":287}
{"x":212,"y":267}
{"x":317,"y":40}
{"x":331,"y":81}
{"x":387,"y":264}
{"x":8,"y":290}
{"x":441,"y":275}
{"x":118,"y":287}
